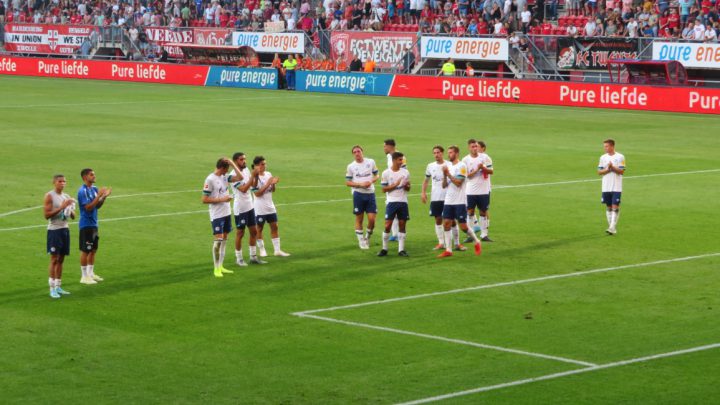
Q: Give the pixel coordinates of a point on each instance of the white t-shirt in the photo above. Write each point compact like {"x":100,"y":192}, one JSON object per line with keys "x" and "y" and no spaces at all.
{"x":362,"y":172}
{"x":242,"y":202}
{"x":525,"y":16}
{"x":434,"y":172}
{"x":264,"y":204}
{"x":399,"y":194}
{"x":216,"y":187}
{"x":456,"y":194}
{"x":612,"y":181}
{"x":479,"y":183}
{"x":699,"y":32}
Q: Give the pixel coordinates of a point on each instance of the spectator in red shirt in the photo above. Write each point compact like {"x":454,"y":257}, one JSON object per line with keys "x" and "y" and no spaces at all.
{"x":673,"y":19}
{"x":482,"y":27}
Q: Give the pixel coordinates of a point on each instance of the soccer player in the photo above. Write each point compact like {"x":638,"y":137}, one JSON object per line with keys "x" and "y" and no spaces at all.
{"x":361,"y":175}
{"x":264,"y":206}
{"x":396,"y":183}
{"x":479,"y":167}
{"x":611,"y":168}
{"x":216,"y":195}
{"x":58,"y":206}
{"x":90,"y":200}
{"x":244,"y":211}
{"x":434,"y":175}
{"x":455,"y":209}
{"x":389,"y":148}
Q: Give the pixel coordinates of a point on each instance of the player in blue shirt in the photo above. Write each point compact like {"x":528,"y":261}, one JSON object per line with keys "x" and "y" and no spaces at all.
{"x":90,"y":199}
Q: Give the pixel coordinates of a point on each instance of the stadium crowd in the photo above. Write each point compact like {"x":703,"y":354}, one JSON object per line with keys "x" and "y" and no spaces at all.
{"x":695,"y":20}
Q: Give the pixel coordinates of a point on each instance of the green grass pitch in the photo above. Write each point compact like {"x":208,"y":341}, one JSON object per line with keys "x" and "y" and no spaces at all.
{"x":162,"y":329}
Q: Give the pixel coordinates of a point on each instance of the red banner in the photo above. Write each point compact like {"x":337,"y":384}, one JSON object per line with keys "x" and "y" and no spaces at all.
{"x":104,"y":70}
{"x":385,"y":48}
{"x":211,"y":36}
{"x":655,"y":98}
{"x":45,"y":39}
{"x":165,"y":35}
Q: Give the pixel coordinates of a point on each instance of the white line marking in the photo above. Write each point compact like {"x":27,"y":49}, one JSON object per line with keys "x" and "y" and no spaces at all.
{"x":450,"y":340}
{"x":342,"y":185}
{"x":506,"y":283}
{"x":562,"y":374}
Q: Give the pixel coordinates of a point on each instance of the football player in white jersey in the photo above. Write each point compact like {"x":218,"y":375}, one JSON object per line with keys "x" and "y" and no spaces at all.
{"x":265,"y":207}
{"x":216,"y":195}
{"x":396,"y":183}
{"x":455,"y":208}
{"x":611,"y":168}
{"x":479,"y":166}
{"x":389,"y":148}
{"x":436,"y":178}
{"x":244,"y":211}
{"x":361,"y":175}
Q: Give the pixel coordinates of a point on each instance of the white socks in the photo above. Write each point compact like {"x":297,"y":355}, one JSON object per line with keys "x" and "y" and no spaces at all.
{"x":401,"y":241}
{"x":614,"y":216}
{"x":91,"y":270}
{"x":276,"y":244}
{"x":448,"y":240}
{"x":608,"y":215}
{"x":439,"y":232}
{"x":385,"y":237}
{"x":472,"y":234}
{"x":484,"y":225}
{"x":455,"y":236}
{"x":253,"y":251}
{"x":359,"y":235}
{"x":83,"y":269}
{"x":238,"y":254}
{"x":395,"y":227}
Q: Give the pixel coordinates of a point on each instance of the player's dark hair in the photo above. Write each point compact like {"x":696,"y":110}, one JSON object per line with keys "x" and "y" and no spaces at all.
{"x":222,"y":164}
{"x":390,"y":142}
{"x":482,"y":144}
{"x":58,"y":176}
{"x":472,"y":141}
{"x":439,"y":147}
{"x":236,"y":155}
{"x":355,"y":147}
{"x":454,"y":148}
{"x":85,"y":172}
{"x":257,"y":161}
{"x":610,"y":141}
{"x":397,"y":155}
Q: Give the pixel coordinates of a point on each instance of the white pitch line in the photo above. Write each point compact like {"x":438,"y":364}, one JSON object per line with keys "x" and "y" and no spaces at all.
{"x":506,"y":283}
{"x":562,"y":374}
{"x":642,"y":176}
{"x":450,"y":340}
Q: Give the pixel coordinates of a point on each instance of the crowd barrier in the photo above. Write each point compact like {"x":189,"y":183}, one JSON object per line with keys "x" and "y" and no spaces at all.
{"x":616,"y":96}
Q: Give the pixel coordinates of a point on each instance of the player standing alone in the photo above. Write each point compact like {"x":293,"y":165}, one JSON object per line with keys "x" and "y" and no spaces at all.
{"x":215,"y":194}
{"x":455,"y":208}
{"x":361,"y":176}
{"x":90,"y":200}
{"x":58,"y":206}
{"x":434,"y":173}
{"x":612,"y":168}
{"x":396,"y":183}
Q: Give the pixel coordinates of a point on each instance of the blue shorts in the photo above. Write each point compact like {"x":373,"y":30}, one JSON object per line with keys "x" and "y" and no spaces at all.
{"x":58,"y":242}
{"x":269,"y":218}
{"x":244,"y":219}
{"x":479,"y":201}
{"x":611,"y":198}
{"x":436,"y":208}
{"x":221,"y":225}
{"x":457,"y":212}
{"x":397,"y":210}
{"x":364,"y":202}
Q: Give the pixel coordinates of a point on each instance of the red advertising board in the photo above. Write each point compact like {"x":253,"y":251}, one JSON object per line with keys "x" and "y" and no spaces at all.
{"x":105,"y":70}
{"x":45,"y":38}
{"x":385,"y":48}
{"x":654,"y":98}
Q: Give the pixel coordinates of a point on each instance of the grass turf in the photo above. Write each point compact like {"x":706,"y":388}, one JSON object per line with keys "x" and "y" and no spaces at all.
{"x":162,"y":329}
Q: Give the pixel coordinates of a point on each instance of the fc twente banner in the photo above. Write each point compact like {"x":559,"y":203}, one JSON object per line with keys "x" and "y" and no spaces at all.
{"x":593,"y":53}
{"x":386,"y":49}
{"x":45,"y":38}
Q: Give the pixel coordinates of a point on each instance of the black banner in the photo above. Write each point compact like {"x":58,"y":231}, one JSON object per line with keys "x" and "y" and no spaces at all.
{"x":593,"y":53}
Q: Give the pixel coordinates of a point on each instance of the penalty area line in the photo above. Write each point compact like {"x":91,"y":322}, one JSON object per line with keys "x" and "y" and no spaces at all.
{"x":562,"y":374}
